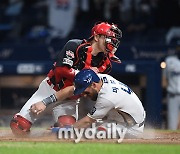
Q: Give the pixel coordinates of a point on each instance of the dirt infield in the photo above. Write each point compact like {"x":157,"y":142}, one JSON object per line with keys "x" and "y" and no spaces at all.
{"x":149,"y":137}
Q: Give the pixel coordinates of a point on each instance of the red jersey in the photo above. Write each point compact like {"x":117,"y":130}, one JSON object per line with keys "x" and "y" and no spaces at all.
{"x":76,"y":55}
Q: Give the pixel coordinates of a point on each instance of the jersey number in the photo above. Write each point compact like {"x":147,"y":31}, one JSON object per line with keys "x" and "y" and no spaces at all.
{"x":125,"y":88}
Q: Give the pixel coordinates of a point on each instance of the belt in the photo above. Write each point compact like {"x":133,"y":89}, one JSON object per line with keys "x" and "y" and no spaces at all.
{"x":142,"y":123}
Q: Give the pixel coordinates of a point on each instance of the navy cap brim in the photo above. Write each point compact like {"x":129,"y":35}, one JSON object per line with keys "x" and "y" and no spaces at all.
{"x":79,"y":91}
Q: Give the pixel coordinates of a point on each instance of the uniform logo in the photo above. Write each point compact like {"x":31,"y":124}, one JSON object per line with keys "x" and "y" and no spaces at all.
{"x":88,"y":80}
{"x":69,"y":54}
{"x":67,"y":61}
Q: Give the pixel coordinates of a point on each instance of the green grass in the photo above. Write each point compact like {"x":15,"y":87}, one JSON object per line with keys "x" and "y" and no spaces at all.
{"x":85,"y":148}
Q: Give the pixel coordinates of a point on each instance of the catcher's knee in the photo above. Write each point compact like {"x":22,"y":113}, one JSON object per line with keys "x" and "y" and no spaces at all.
{"x":65,"y":120}
{"x":20,"y":126}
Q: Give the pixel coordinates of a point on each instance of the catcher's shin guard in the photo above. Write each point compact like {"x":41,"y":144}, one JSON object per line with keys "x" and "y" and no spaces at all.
{"x":65,"y":121}
{"x":20,"y":126}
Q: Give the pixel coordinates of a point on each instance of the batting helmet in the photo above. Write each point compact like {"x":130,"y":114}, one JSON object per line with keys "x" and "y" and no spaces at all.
{"x":83,"y":79}
{"x":111,"y":32}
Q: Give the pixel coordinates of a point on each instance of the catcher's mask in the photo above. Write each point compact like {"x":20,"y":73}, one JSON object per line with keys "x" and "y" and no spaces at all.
{"x":112,"y":35}
{"x":83,"y":79}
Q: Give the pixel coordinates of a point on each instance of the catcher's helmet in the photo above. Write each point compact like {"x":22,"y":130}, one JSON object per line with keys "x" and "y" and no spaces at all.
{"x":83,"y":79}
{"x":111,"y":32}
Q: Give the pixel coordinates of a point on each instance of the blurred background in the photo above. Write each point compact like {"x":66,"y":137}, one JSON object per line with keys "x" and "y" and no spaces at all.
{"x":33,"y":31}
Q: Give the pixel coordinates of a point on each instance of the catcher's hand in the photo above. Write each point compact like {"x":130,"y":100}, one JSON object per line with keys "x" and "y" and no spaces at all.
{"x":37,"y":108}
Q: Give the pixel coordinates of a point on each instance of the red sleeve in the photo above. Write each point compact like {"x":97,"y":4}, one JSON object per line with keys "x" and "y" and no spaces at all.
{"x":64,"y":72}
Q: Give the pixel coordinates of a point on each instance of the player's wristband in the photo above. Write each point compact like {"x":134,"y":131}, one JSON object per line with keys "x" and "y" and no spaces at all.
{"x":49,"y":100}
